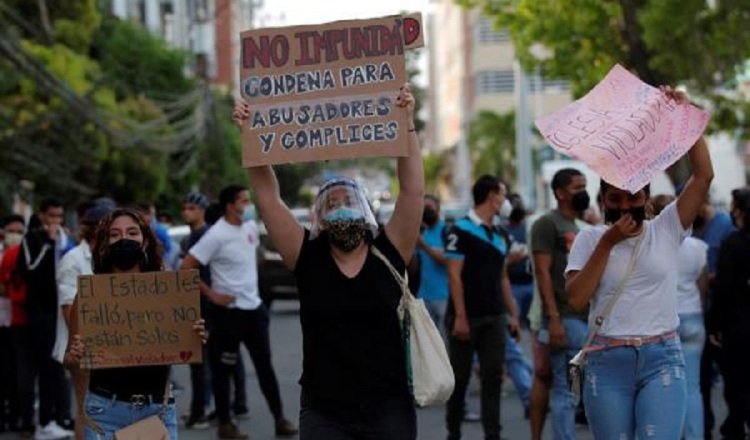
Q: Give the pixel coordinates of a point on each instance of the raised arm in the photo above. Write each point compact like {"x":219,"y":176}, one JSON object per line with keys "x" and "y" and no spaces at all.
{"x":403,"y":227}
{"x":693,"y":196}
{"x":285,"y":232}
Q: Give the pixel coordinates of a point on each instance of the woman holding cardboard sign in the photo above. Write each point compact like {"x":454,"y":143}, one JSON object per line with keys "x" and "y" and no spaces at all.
{"x":634,"y":382}
{"x":354,"y":379}
{"x":116,"y":398}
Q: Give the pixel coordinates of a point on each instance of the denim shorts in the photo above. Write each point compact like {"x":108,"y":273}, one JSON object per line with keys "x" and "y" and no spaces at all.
{"x":112,"y":415}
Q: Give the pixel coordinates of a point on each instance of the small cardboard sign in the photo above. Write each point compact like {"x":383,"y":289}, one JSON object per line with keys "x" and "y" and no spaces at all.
{"x":139,"y":319}
{"x":320,"y":92}
{"x":624,"y":129}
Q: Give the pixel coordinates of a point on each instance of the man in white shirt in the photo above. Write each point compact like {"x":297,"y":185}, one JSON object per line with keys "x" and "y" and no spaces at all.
{"x":229,"y":248}
{"x":73,"y":264}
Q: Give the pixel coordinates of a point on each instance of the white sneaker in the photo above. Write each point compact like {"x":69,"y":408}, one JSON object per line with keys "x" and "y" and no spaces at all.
{"x":52,"y":431}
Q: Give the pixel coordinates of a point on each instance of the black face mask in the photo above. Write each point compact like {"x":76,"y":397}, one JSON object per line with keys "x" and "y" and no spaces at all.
{"x":581,"y":201}
{"x":637,"y":212}
{"x":346,"y":234}
{"x":429,"y":216}
{"x":125,"y":254}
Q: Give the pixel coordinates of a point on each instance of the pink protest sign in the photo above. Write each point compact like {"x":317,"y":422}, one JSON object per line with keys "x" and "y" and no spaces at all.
{"x":624,"y":129}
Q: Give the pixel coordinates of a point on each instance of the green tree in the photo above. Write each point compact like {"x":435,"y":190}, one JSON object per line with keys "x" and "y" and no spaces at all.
{"x":134,"y":62}
{"x":91,"y":106}
{"x":492,"y":144}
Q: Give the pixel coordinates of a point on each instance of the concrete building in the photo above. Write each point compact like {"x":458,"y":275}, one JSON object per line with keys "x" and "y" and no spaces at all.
{"x":470,"y":57}
{"x":208,"y":29}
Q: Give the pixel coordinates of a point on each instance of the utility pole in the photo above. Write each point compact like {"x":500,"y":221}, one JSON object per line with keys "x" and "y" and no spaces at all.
{"x":463,"y":160}
{"x":526,"y":185}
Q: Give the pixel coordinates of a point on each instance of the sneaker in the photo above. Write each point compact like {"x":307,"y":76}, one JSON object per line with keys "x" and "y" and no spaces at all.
{"x":52,"y":431}
{"x":230,"y":430}
{"x":285,"y":428}
{"x":199,"y":423}
{"x":68,"y":424}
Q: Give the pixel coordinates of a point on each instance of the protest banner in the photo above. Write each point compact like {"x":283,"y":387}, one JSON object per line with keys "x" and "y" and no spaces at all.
{"x":624,"y":129}
{"x":134,"y":319}
{"x":320,"y":92}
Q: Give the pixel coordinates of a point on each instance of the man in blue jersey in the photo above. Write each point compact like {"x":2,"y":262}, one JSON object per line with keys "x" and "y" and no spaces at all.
{"x":482,"y":308}
{"x":433,"y":286}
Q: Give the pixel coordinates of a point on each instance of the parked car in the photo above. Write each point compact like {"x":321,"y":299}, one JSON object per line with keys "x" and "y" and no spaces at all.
{"x":275,"y":281}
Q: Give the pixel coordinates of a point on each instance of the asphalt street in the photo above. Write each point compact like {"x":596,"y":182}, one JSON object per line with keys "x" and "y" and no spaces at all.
{"x":287,"y":359}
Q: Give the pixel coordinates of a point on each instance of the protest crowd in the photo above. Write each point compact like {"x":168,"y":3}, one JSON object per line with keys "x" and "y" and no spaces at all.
{"x":634,"y":303}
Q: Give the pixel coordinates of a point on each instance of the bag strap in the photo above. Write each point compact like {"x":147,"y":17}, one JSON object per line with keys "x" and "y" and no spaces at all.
{"x":402,"y":280}
{"x":599,"y":321}
{"x":403,"y":311}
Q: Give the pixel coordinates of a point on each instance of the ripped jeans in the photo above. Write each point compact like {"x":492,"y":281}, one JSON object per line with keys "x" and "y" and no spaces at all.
{"x":638,"y":392}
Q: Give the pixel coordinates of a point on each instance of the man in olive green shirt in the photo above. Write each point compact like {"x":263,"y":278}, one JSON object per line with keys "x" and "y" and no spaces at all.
{"x":552,"y":237}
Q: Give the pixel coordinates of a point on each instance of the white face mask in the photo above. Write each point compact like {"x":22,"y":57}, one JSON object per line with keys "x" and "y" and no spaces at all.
{"x":12,"y":239}
{"x":248,"y":213}
{"x":506,"y":209}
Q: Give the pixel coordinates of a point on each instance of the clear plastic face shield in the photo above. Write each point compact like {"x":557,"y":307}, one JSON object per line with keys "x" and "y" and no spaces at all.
{"x":342,"y":202}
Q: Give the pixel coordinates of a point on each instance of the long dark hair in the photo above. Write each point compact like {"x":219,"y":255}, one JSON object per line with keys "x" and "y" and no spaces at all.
{"x":100,"y":254}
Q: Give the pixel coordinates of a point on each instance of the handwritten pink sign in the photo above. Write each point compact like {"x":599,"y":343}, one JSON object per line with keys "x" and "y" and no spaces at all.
{"x":624,"y":129}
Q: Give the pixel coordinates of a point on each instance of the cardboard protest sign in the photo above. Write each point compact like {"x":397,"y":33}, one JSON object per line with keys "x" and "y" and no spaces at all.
{"x":624,"y":129}
{"x":139,"y":319}
{"x":328,"y":91}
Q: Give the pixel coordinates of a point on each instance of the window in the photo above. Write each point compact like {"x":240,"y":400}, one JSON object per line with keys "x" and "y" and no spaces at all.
{"x":495,"y":81}
{"x":486,"y":32}
{"x":547,"y":85}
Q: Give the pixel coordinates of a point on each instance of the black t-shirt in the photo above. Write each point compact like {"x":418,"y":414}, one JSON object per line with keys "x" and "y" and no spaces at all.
{"x":131,"y":380}
{"x":188,"y":242}
{"x":352,"y":343}
{"x":483,"y":250}
{"x":36,"y":266}
{"x":731,"y":288}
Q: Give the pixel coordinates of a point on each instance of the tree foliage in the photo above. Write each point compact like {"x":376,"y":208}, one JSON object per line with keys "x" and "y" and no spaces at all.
{"x":97,"y":106}
{"x":700,"y":44}
{"x":492,"y":144}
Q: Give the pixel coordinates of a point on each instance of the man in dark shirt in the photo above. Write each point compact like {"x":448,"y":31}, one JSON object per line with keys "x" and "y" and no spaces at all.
{"x":41,"y":249}
{"x":480,"y":300}
{"x":551,"y":239}
{"x":194,"y":214}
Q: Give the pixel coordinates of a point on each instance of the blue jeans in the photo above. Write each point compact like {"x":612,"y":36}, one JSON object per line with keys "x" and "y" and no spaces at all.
{"x":562,"y":401}
{"x":112,"y":415}
{"x":519,"y":370}
{"x":523,"y":294}
{"x":436,"y":309}
{"x":631,"y":391}
{"x":693,"y":336}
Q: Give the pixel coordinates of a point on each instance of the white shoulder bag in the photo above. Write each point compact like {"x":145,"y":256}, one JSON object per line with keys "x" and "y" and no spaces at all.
{"x":429,"y":369}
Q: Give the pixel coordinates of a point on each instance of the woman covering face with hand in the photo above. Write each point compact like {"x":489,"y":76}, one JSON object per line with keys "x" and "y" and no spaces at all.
{"x":634,"y":378}
{"x":118,"y":397}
